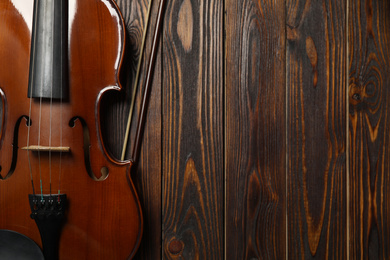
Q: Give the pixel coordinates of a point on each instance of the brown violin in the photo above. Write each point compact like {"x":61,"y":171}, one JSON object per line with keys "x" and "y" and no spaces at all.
{"x":59,"y":186}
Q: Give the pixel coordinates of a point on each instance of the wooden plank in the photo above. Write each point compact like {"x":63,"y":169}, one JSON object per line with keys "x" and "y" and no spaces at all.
{"x":255,"y":130}
{"x":316,"y":120}
{"x":193,"y":130}
{"x":147,"y":176}
{"x":369,"y":121}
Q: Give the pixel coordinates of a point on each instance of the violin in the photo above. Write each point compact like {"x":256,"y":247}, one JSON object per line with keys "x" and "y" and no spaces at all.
{"x":59,"y":186}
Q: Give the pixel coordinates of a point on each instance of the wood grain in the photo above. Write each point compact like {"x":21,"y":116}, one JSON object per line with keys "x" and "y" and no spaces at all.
{"x":193,"y":130}
{"x":369,"y":121}
{"x":102,"y":26}
{"x":257,"y":35}
{"x":316,"y":119}
{"x":255,"y":130}
{"x":147,"y":175}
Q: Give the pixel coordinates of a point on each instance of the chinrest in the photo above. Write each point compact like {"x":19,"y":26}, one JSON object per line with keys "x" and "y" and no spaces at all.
{"x":14,"y":245}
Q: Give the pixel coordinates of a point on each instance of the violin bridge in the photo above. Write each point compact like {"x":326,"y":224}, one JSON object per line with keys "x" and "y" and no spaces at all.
{"x":40,"y":148}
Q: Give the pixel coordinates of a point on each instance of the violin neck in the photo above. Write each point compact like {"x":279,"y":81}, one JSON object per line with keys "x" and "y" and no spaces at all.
{"x":48,"y":76}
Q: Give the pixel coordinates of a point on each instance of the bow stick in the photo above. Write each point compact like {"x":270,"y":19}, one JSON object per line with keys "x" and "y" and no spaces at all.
{"x":148,"y":83}
{"x":136,"y":83}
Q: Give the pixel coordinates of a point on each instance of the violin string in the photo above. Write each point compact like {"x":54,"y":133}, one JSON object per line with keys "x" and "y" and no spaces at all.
{"x":39,"y":144}
{"x":39,"y":133}
{"x":61,"y":87}
{"x":28,"y":142}
{"x":31,"y":87}
{"x":60,"y":163}
{"x":51,"y":106}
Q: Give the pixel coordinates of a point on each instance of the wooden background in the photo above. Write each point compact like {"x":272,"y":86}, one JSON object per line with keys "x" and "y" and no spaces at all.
{"x":268,"y":129}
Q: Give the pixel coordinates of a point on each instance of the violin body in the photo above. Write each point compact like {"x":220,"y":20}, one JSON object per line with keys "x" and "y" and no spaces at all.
{"x":103,"y":218}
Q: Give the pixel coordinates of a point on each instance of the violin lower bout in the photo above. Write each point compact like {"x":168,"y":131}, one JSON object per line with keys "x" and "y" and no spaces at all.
{"x":103,"y":219}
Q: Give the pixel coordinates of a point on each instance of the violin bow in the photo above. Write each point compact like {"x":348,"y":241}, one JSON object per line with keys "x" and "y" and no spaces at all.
{"x":132,"y":102}
{"x":147,"y":86}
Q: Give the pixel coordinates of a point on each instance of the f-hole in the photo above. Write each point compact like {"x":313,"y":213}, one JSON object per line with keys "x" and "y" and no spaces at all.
{"x":87,"y":146}
{"x":15,"y":147}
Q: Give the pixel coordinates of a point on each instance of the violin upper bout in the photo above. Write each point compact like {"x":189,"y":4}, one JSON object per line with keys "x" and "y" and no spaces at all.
{"x":14,"y":63}
{"x":96,"y":48}
{"x":96,"y":42}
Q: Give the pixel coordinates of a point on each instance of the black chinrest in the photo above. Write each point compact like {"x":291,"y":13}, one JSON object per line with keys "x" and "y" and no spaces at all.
{"x":14,"y":245}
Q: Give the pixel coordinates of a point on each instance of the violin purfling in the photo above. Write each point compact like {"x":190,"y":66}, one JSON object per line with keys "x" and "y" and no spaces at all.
{"x":59,"y":185}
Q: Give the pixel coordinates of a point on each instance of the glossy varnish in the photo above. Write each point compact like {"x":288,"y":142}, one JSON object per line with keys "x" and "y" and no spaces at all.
{"x":103,"y":219}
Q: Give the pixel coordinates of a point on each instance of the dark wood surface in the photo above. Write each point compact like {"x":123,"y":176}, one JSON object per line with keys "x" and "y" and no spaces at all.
{"x":193,"y":130}
{"x":316,"y":122}
{"x":255,"y":121}
{"x":245,"y":154}
{"x":369,"y":125}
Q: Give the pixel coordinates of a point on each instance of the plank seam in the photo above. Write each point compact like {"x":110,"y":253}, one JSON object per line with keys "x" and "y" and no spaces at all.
{"x":162,"y":95}
{"x":224,"y":116}
{"x":286,"y":123}
{"x":347,"y":125}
